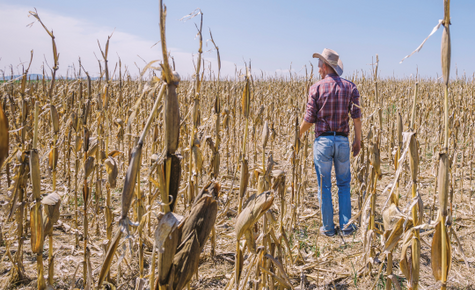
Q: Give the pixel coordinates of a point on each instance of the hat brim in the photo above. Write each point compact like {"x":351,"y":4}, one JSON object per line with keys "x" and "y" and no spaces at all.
{"x":338,"y":68}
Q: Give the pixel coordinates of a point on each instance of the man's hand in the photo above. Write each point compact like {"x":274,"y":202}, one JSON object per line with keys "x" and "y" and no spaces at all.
{"x":304,"y":127}
{"x":357,"y":141}
{"x":356,"y":147}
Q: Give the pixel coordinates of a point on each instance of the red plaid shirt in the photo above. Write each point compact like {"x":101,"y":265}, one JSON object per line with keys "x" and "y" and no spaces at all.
{"x":329,"y":102}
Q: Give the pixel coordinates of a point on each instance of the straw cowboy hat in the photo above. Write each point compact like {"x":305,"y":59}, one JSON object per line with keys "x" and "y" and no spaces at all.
{"x":331,"y":58}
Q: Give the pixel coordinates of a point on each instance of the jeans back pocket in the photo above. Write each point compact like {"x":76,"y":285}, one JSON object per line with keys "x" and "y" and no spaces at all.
{"x":323,"y":149}
{"x":343,"y":152}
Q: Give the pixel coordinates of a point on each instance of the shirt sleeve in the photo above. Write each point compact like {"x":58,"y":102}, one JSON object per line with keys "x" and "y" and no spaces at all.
{"x":355,"y":110}
{"x":312,"y":107}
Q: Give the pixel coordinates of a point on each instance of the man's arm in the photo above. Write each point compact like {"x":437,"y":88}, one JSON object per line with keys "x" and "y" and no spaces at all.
{"x":357,"y":141}
{"x":304,"y":127}
{"x":310,"y":112}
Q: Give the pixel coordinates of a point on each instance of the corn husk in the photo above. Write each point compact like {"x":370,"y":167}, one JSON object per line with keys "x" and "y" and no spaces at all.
{"x":52,"y":163}
{"x":390,"y":217}
{"x":210,"y":189}
{"x":436,"y":253}
{"x":130,"y":178}
{"x":54,"y":119}
{"x":187,"y":261}
{"x":167,"y":223}
{"x":215,"y":159}
{"x":174,"y":180}
{"x":443,"y":183}
{"x":105,"y":97}
{"x":35,"y":174}
{"x":414,"y":157}
{"x":279,"y":182}
{"x":244,"y":177}
{"x":395,"y":234}
{"x":4,"y":141}
{"x":254,"y":209}
{"x":86,"y":194}
{"x":265,"y":134}
{"x":197,"y":157}
{"x":374,"y":158}
{"x":408,"y":256}
{"x":93,"y":147}
{"x":196,"y":113}
{"x":165,"y":259}
{"x":37,"y":229}
{"x":51,"y":204}
{"x":78,"y":144}
{"x":172,"y":120}
{"x":445,"y":53}
{"x":405,"y":262}
{"x":162,"y":184}
{"x":400,"y":129}
{"x":225,"y":116}
{"x":245,"y":101}
{"x":86,"y":109}
{"x":196,"y":229}
{"x":89,"y":166}
{"x":24,"y":110}
{"x":112,"y":171}
{"x":85,"y":141}
{"x":296,"y":135}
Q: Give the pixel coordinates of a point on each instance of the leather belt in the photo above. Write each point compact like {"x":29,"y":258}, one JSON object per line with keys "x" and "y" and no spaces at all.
{"x":331,"y":133}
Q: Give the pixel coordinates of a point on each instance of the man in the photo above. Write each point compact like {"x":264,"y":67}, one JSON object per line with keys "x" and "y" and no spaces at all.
{"x":329,"y":102}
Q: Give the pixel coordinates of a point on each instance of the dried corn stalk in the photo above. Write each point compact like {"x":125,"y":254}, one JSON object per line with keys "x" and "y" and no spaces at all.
{"x":36,"y":218}
{"x":51,"y":204}
{"x":441,"y":252}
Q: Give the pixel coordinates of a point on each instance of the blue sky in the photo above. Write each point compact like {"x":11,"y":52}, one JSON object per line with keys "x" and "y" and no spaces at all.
{"x":274,"y":35}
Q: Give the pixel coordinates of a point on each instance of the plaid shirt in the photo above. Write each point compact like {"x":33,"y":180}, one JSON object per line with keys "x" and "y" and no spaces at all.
{"x":329,"y":102}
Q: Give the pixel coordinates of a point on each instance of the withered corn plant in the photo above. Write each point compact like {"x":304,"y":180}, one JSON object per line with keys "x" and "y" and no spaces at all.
{"x":36,"y":217}
{"x":244,"y":177}
{"x":128,"y":192}
{"x":195,"y":157}
{"x":51,"y":205}
{"x":441,"y":255}
{"x":88,"y":166}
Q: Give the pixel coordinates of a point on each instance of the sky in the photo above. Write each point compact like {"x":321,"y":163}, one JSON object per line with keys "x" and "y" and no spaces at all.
{"x":277,"y":37}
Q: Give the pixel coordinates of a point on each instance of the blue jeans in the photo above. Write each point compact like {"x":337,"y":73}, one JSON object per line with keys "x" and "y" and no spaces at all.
{"x":327,"y":150}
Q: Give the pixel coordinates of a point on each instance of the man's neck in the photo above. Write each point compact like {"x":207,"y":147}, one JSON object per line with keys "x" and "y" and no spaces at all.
{"x":328,"y":73}
{"x":332,"y":74}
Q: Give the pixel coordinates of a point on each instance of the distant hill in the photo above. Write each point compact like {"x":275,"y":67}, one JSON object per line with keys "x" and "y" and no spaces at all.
{"x":30,"y":76}
{"x":39,"y":76}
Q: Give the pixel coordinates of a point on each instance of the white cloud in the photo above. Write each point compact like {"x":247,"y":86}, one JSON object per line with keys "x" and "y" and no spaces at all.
{"x":78,"y":38}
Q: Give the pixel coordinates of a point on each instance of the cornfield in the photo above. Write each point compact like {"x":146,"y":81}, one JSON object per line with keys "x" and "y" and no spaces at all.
{"x":159,"y":182}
